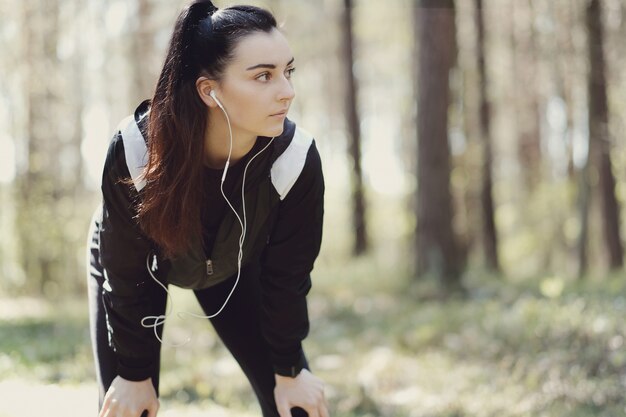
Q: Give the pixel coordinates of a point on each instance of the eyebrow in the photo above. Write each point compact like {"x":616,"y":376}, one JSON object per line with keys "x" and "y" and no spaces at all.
{"x":270,"y":66}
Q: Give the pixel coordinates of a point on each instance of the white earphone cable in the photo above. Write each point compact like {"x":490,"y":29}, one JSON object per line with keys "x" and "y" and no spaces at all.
{"x":158,"y":320}
{"x":243,"y":224}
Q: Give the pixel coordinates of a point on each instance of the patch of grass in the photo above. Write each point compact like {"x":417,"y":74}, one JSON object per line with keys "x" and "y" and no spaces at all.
{"x":53,"y":346}
{"x":389,"y":348}
{"x":540,"y":351}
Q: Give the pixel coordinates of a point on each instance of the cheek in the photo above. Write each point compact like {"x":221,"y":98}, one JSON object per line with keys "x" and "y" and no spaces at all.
{"x":250,"y":105}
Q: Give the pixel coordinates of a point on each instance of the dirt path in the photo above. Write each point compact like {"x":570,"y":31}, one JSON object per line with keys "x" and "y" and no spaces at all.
{"x":24,"y":398}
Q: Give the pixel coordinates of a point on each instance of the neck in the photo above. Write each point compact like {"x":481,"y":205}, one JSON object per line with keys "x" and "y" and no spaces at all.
{"x":217,"y":141}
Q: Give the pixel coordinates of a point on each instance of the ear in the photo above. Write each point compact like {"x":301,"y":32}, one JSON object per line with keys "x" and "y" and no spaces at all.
{"x":204,"y":87}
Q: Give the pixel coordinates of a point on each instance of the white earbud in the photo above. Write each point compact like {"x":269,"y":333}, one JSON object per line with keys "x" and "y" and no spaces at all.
{"x":212,"y":94}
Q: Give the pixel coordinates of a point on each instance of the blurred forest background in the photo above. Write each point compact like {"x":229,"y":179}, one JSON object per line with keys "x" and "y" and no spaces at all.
{"x":475,"y":161}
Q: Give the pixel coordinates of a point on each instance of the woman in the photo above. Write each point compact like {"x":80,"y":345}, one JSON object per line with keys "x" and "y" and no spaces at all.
{"x":209,"y":186}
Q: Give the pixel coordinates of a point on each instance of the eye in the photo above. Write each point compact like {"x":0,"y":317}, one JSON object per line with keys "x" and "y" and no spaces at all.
{"x":264,"y":76}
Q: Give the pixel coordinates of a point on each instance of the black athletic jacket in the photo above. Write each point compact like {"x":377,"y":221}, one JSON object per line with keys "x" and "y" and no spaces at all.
{"x":288,"y":186}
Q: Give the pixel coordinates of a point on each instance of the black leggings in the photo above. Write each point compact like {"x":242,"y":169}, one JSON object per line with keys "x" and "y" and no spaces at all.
{"x":237,"y":326}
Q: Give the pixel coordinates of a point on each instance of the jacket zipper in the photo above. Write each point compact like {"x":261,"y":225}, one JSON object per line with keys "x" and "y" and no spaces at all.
{"x":209,"y":267}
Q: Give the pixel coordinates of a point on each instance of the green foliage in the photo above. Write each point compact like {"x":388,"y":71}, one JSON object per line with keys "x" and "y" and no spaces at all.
{"x":545,"y":347}
{"x":385,"y":350}
{"x":51,"y":345}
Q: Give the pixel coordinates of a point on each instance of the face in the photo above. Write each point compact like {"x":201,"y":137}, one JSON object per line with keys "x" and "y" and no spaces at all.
{"x":256,"y":85}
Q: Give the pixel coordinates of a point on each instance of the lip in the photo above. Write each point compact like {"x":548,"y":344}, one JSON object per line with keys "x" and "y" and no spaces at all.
{"x":282,"y":113}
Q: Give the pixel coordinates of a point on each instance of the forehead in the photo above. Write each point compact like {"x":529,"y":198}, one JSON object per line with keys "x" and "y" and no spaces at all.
{"x":262,"y":48}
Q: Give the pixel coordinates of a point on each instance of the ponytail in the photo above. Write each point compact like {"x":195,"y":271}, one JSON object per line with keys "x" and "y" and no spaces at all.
{"x":202,"y":44}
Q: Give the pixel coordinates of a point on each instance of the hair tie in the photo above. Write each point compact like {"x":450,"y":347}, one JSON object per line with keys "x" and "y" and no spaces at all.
{"x":198,"y":32}
{"x":205,"y":26}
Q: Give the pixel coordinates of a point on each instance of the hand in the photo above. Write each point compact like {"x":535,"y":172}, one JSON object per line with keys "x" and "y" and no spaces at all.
{"x":305,"y":391}
{"x":129,"y":399}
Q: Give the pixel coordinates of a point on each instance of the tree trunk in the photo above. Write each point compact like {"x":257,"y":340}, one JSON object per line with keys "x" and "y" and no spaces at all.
{"x":527,"y":107}
{"x":354,"y":132}
{"x":437,"y":248}
{"x":142,"y":50}
{"x":583,"y":205}
{"x":490,"y":242}
{"x":37,"y":224}
{"x":599,"y":140}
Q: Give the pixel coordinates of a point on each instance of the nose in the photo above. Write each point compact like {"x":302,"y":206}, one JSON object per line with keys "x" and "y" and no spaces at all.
{"x":286,"y":90}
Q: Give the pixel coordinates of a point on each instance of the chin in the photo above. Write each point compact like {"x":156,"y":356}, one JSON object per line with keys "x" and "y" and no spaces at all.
{"x":277,"y":131}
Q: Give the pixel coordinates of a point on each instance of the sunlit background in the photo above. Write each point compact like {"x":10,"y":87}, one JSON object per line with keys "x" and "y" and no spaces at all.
{"x":541,"y":334}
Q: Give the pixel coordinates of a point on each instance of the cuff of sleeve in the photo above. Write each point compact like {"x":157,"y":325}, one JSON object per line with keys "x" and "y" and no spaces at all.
{"x":289,"y":365}
{"x":135,"y":369}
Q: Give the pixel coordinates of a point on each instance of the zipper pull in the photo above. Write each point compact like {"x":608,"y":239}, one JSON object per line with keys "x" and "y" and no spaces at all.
{"x":209,"y":267}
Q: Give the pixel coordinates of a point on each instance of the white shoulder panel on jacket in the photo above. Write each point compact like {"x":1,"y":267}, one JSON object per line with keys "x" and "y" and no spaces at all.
{"x":290,"y":163}
{"x":135,"y":150}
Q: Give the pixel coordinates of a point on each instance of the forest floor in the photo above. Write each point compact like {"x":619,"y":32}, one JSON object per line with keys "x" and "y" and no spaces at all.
{"x":544,"y":347}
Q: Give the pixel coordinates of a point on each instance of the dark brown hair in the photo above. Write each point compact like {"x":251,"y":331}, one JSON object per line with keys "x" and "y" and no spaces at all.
{"x":202,"y":44}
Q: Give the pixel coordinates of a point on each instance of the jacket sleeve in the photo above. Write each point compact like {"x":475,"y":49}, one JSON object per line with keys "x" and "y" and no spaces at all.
{"x":129,"y":291}
{"x":286,"y":266}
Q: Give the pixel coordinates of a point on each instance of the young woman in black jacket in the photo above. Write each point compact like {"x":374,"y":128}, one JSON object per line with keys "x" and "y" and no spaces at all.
{"x":209,"y":186}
